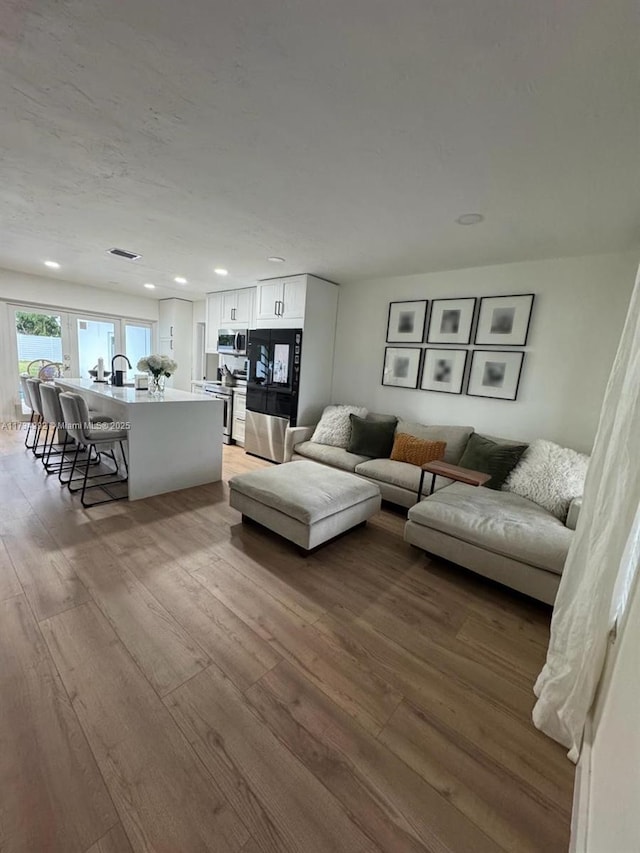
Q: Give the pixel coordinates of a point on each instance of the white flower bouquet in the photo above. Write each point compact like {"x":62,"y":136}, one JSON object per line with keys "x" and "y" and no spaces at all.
{"x":158,"y":365}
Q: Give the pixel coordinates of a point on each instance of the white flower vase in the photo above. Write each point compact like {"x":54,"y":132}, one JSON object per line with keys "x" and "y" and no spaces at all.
{"x":156,"y":384}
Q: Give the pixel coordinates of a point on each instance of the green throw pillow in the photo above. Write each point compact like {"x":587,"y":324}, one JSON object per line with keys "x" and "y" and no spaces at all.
{"x":489,"y":457}
{"x":372,"y":438}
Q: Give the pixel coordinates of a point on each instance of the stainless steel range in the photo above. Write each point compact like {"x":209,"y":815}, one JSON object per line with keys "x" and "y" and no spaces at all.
{"x":224,"y":393}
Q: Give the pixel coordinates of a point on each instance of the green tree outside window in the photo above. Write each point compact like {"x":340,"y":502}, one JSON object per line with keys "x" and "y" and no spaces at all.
{"x":43,"y":325}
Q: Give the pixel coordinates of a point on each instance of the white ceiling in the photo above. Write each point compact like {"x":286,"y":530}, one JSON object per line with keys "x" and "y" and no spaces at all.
{"x":344,"y":135}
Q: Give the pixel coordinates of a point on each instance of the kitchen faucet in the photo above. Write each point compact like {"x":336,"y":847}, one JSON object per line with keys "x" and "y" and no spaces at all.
{"x":117,"y":376}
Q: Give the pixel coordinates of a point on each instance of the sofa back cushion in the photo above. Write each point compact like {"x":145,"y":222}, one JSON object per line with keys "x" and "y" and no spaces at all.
{"x":416,"y":451}
{"x":490,"y":457}
{"x":455,"y":437}
{"x":371,"y":438}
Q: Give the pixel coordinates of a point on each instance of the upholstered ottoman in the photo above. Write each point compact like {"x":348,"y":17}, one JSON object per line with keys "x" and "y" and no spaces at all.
{"x":305,"y":502}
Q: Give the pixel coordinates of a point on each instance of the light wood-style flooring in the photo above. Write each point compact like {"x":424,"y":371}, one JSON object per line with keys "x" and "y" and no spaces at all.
{"x":174,"y":681}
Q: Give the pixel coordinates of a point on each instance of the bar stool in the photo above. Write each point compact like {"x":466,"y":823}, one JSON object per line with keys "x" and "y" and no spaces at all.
{"x":97,"y":437}
{"x":26,"y":396}
{"x":52,"y":414}
{"x":36,"y":402}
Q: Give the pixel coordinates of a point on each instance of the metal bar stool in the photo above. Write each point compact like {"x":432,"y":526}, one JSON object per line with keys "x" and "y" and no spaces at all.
{"x":26,"y":395}
{"x":97,"y":437}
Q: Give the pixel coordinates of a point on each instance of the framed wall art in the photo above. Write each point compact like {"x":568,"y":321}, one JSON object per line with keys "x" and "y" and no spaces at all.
{"x":451,"y":321}
{"x":406,"y":322}
{"x":443,"y":370}
{"x":401,"y":366}
{"x":495,"y":374}
{"x":504,"y":320}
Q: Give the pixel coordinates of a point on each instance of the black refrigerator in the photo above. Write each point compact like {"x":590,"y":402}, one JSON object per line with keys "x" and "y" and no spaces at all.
{"x":273,"y":381}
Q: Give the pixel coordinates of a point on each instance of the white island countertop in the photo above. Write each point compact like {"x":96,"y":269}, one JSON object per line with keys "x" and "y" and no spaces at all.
{"x":125,"y":394}
{"x":174,"y":441}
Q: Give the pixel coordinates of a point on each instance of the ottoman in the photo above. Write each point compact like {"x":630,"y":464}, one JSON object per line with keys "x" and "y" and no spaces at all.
{"x":305,"y":502}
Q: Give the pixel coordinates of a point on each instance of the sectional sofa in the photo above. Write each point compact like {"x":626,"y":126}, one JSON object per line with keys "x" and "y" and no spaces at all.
{"x":497,"y":534}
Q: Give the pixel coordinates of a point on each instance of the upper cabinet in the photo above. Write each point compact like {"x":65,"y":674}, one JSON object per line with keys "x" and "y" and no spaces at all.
{"x":175,"y":328}
{"x":229,"y":309}
{"x":245,"y":308}
{"x":281,"y":302}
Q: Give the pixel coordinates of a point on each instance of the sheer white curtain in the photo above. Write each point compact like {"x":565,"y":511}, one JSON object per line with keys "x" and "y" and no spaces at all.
{"x":603,"y":557}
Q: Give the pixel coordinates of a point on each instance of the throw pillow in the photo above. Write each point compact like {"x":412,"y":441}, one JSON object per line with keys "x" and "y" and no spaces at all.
{"x":416,"y":451}
{"x":335,"y":426}
{"x":498,"y":460}
{"x":371,"y":438}
{"x":549,"y":475}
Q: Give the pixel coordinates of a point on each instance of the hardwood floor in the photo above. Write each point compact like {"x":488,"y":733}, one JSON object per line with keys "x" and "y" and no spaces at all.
{"x":174,"y":681}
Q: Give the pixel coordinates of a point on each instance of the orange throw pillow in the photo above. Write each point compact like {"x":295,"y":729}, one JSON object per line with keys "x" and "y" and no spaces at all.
{"x":416,"y":451}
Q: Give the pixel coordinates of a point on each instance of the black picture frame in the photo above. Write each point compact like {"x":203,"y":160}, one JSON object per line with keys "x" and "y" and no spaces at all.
{"x":410,"y":352}
{"x":517,"y":363}
{"x":507,"y":337}
{"x":448,"y":352}
{"x":415,"y":336}
{"x":462,"y":338}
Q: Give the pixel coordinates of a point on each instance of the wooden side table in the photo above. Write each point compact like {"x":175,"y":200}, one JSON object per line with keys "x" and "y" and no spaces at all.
{"x":452,"y":472}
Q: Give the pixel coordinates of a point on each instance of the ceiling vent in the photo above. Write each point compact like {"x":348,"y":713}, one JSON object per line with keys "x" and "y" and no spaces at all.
{"x":122,"y":253}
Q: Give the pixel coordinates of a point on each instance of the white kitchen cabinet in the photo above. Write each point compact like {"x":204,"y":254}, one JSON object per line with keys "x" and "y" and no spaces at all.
{"x":237,"y":308}
{"x":175,"y":326}
{"x":267,"y":302}
{"x":281,"y":302}
{"x":229,"y":309}
{"x":245,"y":308}
{"x":229,"y":305}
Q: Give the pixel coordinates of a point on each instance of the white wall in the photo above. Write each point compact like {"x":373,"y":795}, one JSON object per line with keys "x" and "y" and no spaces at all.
{"x":578,"y":315}
{"x":19,"y":287}
{"x":56,"y":293}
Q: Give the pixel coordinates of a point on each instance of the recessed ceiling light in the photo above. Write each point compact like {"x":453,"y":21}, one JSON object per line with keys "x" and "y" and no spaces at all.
{"x":470,"y":219}
{"x":150,"y":286}
{"x":221,"y":271}
{"x":53,"y":265}
{"x":275,"y":259}
{"x":180,"y":279}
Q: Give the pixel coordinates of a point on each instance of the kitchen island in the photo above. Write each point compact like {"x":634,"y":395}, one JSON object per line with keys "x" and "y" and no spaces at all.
{"x":174,"y":441}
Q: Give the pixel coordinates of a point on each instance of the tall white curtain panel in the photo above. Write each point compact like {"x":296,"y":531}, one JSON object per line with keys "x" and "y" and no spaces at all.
{"x":604,"y":555}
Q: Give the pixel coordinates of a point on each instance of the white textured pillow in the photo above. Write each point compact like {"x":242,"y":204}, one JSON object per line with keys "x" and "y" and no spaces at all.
{"x":549,"y":475}
{"x":335,"y":425}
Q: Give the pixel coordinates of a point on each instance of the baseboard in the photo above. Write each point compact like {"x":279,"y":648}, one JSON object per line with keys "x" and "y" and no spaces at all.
{"x":582,"y":796}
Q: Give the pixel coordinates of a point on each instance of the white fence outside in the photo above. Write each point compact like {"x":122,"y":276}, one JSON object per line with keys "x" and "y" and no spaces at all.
{"x":31,"y":347}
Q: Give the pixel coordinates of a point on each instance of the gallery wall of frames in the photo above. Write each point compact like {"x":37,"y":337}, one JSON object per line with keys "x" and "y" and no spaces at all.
{"x":466,"y":345}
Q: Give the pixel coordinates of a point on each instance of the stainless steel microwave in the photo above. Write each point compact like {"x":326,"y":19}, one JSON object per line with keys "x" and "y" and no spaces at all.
{"x":232,"y":341}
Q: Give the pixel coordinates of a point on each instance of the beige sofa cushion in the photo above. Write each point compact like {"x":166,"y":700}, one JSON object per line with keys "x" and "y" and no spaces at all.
{"x":501,"y":522}
{"x":336,"y":457}
{"x":398,"y":474}
{"x":304,"y":490}
{"x":455,"y":436}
